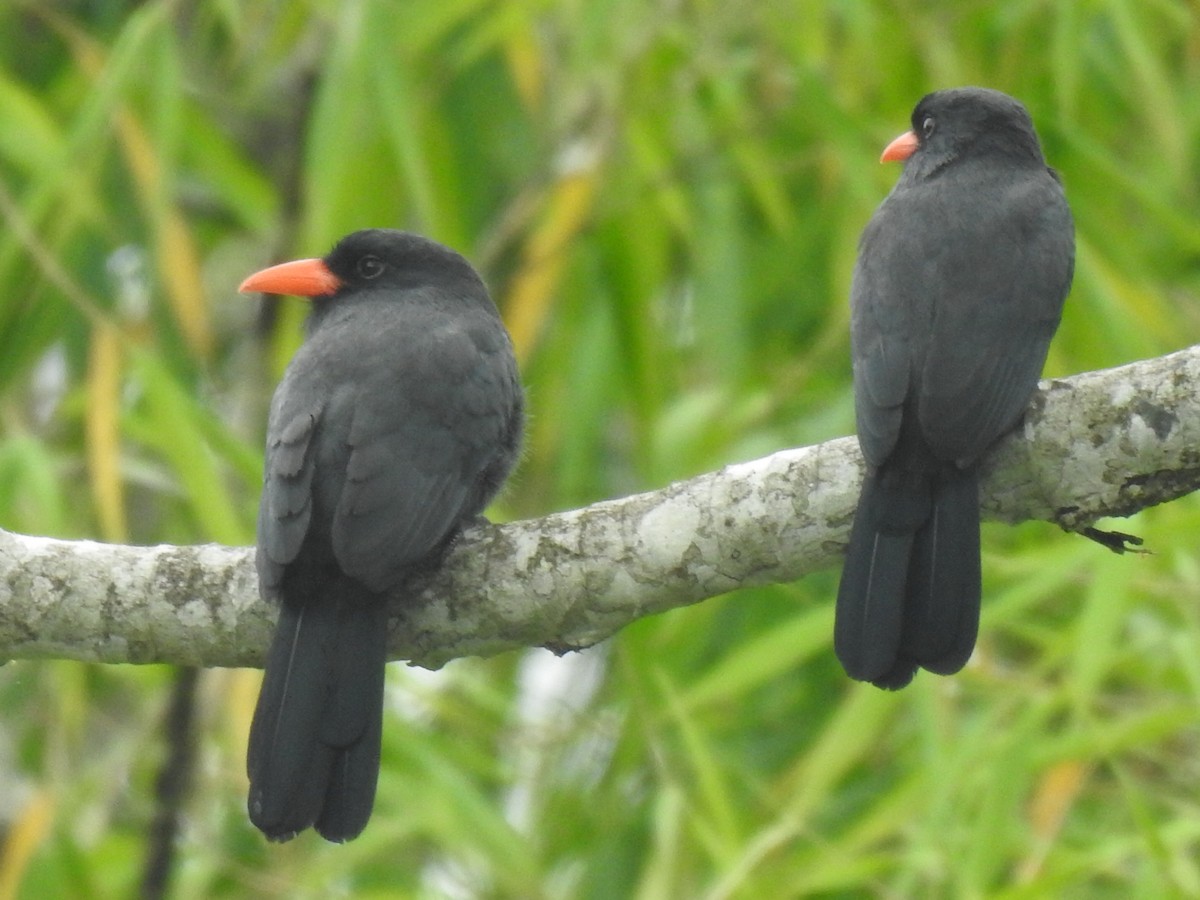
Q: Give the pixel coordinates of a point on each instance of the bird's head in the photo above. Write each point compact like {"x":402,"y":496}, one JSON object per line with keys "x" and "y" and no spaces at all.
{"x":964,"y":123}
{"x":367,"y":263}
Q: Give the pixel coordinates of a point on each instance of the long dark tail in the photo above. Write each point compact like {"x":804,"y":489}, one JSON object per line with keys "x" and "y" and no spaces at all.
{"x":313,"y":758}
{"x":910,"y":590}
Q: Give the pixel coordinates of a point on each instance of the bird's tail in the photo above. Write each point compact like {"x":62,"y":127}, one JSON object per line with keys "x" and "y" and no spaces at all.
{"x":313,"y":756}
{"x":910,"y":590}
{"x":941,"y":606}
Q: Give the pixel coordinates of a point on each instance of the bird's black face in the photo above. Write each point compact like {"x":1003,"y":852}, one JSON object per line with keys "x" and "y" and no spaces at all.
{"x":381,"y":257}
{"x":372,"y":265}
{"x":952,"y":124}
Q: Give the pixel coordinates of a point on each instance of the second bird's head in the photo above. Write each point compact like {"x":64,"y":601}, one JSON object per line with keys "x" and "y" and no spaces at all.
{"x":964,"y":123}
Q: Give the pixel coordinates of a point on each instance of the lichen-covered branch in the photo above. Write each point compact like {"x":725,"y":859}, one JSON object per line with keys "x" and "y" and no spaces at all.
{"x":1101,"y":444}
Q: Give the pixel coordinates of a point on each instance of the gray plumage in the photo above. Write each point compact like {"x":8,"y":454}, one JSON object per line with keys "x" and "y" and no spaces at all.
{"x":395,"y":424}
{"x":958,"y":289}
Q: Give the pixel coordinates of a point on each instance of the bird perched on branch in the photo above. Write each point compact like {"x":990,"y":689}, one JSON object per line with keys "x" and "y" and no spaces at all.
{"x":958,"y":288}
{"x":395,"y":424}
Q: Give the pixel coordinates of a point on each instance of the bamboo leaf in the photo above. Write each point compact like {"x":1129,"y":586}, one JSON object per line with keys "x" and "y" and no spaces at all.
{"x":105,"y":367}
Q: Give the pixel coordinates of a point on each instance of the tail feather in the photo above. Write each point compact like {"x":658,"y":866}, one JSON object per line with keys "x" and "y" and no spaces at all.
{"x":910,"y":588}
{"x":870,"y":603}
{"x":314,"y":740}
{"x":351,"y":793}
{"x":869,"y":616}
{"x":284,"y":795}
{"x":941,"y":621}
{"x":355,"y":723}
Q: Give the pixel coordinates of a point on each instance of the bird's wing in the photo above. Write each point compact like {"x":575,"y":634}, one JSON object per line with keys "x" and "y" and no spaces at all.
{"x":286,"y":507}
{"x":995,"y":319}
{"x":416,"y":458}
{"x":954,"y":302}
{"x":881,"y":336}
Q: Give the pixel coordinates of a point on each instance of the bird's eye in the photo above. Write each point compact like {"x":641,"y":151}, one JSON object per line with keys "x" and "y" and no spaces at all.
{"x":927,"y":127}
{"x":370,"y":267}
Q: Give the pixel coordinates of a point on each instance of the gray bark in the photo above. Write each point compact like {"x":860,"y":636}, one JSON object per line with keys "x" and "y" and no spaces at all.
{"x":1101,"y":444}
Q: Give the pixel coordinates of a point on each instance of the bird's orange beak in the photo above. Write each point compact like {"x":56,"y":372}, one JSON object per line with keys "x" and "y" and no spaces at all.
{"x":900,"y":149}
{"x":301,"y":278}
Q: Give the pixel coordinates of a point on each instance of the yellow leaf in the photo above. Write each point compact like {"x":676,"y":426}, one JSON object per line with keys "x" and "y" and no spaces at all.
{"x":175,"y":253}
{"x":525,"y":64}
{"x":533,"y":286}
{"x":103,"y":431}
{"x":1057,"y":791}
{"x":24,"y":836}
{"x":176,"y":257}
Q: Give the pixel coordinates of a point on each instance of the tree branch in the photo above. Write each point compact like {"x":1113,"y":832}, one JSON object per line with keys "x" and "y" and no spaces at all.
{"x":1105,"y":443}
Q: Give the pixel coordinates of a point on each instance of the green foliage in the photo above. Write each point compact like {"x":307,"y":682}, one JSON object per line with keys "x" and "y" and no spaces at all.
{"x":665,"y":198}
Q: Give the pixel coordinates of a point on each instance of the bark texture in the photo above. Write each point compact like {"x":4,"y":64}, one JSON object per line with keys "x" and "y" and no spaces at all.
{"x":1101,"y":444}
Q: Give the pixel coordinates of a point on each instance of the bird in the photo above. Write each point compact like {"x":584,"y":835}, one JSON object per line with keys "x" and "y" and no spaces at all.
{"x":957,"y":289}
{"x":395,"y":423}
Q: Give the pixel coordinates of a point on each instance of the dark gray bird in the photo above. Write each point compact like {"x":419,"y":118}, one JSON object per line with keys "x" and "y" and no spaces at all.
{"x":958,"y":289}
{"x":396,"y":422}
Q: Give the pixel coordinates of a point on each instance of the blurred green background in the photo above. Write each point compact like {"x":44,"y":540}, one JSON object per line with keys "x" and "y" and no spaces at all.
{"x":665,"y":197}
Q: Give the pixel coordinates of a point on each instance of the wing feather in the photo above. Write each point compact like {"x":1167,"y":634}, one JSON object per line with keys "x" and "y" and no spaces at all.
{"x":416,"y":462}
